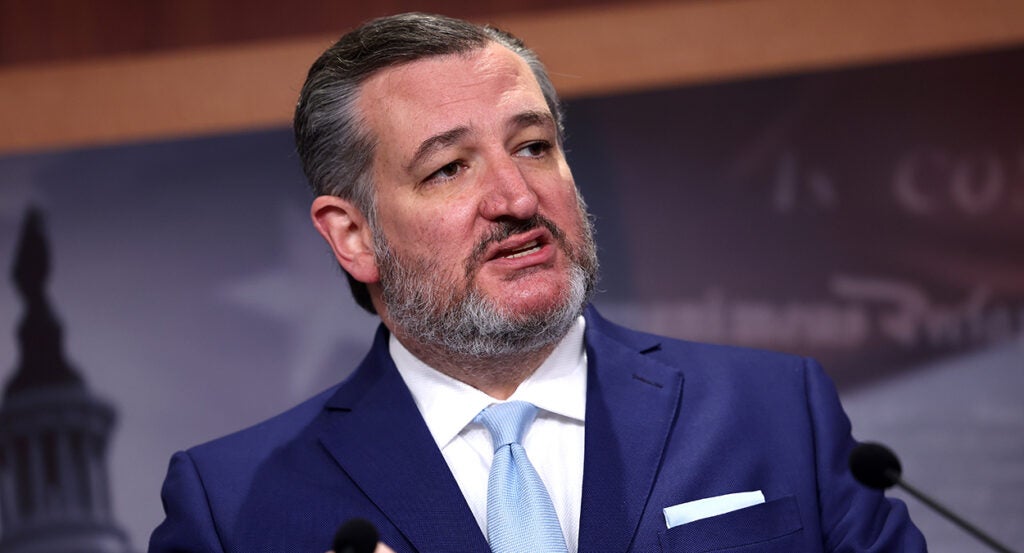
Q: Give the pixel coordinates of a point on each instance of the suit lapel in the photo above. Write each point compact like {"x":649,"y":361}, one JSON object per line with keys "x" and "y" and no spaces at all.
{"x":376,"y":434}
{"x":632,"y":403}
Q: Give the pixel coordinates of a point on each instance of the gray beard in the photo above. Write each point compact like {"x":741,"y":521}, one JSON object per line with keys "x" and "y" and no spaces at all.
{"x":460,"y":321}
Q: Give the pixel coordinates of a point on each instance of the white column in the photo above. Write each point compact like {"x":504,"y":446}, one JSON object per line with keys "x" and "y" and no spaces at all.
{"x":94,"y":470}
{"x":9,"y":488}
{"x":70,"y":486}
{"x":37,"y":483}
{"x":102,"y":476}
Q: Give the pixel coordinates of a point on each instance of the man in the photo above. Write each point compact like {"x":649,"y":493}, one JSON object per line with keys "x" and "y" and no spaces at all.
{"x":435,"y":148}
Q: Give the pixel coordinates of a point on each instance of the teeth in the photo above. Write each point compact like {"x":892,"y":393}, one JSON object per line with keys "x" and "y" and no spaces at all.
{"x":526,"y":249}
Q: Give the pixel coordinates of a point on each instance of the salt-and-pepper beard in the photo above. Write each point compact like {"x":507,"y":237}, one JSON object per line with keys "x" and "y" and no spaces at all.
{"x":457,"y":318}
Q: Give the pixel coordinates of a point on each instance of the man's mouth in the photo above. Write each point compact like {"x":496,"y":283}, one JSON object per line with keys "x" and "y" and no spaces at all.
{"x":512,"y":240}
{"x":526,"y":249}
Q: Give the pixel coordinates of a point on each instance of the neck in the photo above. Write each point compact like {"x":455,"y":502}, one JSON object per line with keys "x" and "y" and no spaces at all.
{"x":498,"y":376}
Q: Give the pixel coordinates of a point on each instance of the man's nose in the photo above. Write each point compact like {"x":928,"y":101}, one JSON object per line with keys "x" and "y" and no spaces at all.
{"x":508,"y":192}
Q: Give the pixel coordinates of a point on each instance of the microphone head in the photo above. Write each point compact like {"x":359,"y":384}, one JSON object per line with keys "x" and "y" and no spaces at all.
{"x":875,"y":466}
{"x":357,"y":535}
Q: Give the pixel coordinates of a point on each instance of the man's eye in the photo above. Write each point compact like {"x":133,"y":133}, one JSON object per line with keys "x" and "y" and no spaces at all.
{"x":534,"y":149}
{"x":447,"y":172}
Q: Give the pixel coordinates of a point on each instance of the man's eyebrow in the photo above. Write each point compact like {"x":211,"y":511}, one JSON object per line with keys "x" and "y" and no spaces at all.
{"x":532,"y":119}
{"x":447,"y":138}
{"x":435,"y":143}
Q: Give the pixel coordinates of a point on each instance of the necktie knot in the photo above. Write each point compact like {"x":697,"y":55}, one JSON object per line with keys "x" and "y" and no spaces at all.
{"x":507,"y":422}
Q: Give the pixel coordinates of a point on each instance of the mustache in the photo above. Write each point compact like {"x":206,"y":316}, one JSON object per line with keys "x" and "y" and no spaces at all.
{"x":506,"y":228}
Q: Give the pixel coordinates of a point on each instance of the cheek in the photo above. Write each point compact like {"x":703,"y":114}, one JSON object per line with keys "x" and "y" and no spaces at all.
{"x":555,"y":184}
{"x":563,"y":208}
{"x":441,"y":231}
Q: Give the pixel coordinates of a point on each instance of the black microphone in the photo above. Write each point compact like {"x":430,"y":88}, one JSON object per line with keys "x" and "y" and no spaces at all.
{"x":357,"y":535}
{"x":876,"y":466}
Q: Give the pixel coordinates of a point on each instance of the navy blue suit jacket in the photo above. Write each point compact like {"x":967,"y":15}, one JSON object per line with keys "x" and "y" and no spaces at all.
{"x":667,"y":422}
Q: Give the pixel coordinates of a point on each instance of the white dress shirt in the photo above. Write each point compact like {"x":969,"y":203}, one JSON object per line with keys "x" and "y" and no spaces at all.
{"x":554,"y":443}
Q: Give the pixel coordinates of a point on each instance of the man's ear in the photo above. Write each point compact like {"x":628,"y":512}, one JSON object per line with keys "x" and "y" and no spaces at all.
{"x":346,"y":230}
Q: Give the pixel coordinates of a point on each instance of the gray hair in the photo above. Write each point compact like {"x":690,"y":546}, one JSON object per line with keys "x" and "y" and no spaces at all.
{"x":334,"y":145}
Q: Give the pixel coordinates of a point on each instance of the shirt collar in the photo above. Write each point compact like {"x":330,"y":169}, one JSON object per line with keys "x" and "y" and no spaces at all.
{"x":558,"y":386}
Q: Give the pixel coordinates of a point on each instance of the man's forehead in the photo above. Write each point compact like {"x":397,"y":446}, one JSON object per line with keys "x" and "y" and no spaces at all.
{"x":449,"y":91}
{"x":489,"y":59}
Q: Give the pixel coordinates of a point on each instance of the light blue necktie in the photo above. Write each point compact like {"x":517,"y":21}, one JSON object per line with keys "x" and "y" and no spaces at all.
{"x":520,"y":515}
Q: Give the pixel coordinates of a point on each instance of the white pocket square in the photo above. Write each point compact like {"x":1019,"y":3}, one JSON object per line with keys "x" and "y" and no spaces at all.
{"x":690,"y":511}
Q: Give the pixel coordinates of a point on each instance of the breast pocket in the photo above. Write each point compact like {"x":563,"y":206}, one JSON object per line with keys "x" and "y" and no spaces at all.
{"x":768,"y":527}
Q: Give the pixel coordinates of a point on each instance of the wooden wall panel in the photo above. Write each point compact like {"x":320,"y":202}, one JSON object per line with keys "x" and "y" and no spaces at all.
{"x":593,"y":50}
{"x":34,"y":31}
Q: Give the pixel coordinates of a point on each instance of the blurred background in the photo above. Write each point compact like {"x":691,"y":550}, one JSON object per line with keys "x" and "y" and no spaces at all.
{"x":842,"y":180}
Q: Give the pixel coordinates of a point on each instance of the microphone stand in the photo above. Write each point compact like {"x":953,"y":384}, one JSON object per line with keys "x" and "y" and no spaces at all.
{"x":894,"y":475}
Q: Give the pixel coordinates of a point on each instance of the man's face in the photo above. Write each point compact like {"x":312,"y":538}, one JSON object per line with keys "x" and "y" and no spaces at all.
{"x":476,"y":209}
